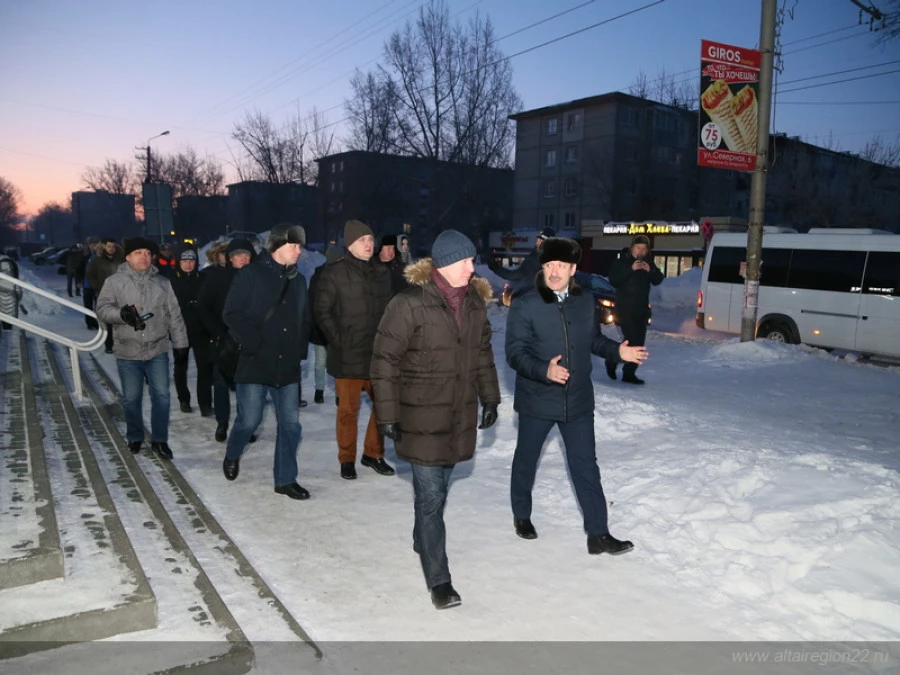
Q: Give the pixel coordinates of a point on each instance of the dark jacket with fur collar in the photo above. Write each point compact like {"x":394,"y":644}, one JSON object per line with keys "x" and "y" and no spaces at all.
{"x":428,"y":374}
{"x":539,"y":328}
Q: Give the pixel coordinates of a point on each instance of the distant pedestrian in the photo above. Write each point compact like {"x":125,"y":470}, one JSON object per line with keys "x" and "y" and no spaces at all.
{"x":165,"y":261}
{"x":632,"y":275}
{"x":74,"y":270}
{"x":267,"y":313}
{"x":404,"y":252}
{"x":387,"y":256}
{"x":102,"y":264}
{"x":144,"y":312}
{"x":432,"y":362}
{"x":550,"y":336}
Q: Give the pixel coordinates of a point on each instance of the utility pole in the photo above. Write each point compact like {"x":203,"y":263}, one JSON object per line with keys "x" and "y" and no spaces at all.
{"x":758,"y":180}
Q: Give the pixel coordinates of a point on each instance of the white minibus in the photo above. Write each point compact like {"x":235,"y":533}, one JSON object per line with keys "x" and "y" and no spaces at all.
{"x":831,"y":288}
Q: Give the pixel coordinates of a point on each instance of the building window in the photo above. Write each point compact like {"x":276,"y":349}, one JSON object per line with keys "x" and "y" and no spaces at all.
{"x":549,"y":189}
{"x":570,"y":221}
{"x":571,"y":187}
{"x":632,"y":118}
{"x":573,"y":121}
{"x":550,"y":158}
{"x":333,"y":186}
{"x":552,"y":126}
{"x":571,"y":154}
{"x":339,"y":166}
{"x":549,"y":220}
{"x":340,"y":186}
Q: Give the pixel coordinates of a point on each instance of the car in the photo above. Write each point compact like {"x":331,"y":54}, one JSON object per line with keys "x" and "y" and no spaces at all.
{"x":604,"y":296}
{"x":42,"y":257}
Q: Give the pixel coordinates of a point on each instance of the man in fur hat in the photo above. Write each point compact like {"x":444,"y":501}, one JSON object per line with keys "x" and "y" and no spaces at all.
{"x":431,"y":363}
{"x":632,"y":275}
{"x":550,"y":336}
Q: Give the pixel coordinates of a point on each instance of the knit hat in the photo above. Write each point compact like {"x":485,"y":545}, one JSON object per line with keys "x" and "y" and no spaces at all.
{"x":236,"y":246}
{"x":285,"y":233}
{"x":136,"y":243}
{"x":546,"y":233}
{"x":562,"y":250}
{"x":185,"y":252}
{"x":641,"y":239}
{"x":450,"y":247}
{"x":389,"y":240}
{"x":354,"y":229}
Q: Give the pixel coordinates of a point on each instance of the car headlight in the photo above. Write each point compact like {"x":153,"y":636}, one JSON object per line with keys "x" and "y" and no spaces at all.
{"x":607,"y":303}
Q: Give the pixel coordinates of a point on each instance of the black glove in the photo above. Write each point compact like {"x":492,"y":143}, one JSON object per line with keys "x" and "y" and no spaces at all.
{"x":391,"y":431}
{"x":488,"y":415}
{"x":131,"y":317}
{"x":181,"y":354}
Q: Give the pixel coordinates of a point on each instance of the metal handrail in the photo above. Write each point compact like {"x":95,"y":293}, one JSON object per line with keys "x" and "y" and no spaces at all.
{"x":73,"y":345}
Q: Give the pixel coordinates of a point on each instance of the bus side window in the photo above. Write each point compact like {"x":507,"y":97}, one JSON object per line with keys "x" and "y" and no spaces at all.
{"x":840,"y":271}
{"x":774,"y":268}
{"x":725,"y":266}
{"x":883,"y":273}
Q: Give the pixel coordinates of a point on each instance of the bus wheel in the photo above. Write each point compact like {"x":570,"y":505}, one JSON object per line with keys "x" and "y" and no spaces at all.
{"x":777,"y":332}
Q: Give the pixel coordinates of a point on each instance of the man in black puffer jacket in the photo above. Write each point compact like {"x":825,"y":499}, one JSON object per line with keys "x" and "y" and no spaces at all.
{"x":267,"y":314}
{"x":632,"y":276}
{"x":550,"y":336}
{"x":350,"y":299}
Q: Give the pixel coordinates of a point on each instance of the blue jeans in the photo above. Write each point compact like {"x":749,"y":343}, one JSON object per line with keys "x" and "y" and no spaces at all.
{"x":251,"y":399}
{"x":321,"y":354}
{"x":581,"y":456}
{"x":430,"y":484}
{"x":132,"y":374}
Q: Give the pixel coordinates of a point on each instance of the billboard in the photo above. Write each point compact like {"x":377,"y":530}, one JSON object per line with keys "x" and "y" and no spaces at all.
{"x":729,"y":106}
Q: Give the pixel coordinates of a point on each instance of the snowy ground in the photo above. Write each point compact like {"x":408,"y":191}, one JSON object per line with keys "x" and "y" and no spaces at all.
{"x":758,"y":481}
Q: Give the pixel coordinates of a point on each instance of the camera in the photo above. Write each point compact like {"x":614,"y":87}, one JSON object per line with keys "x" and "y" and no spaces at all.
{"x":639,"y":258}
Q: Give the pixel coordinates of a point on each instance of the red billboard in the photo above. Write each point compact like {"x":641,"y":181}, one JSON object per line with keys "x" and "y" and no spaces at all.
{"x":729,"y":107}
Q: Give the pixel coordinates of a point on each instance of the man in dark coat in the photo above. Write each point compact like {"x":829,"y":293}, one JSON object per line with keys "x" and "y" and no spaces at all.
{"x":210,"y":307}
{"x":550,"y":336}
{"x":387,"y":256}
{"x":186,"y":282}
{"x":632,"y":276}
{"x":431,"y":362}
{"x":267,"y":313}
{"x":74,"y":269}
{"x":523,"y":275}
{"x":350,"y":300}
{"x":105,"y":262}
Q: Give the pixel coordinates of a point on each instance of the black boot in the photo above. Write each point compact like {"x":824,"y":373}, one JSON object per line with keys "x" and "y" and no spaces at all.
{"x":378,"y":464}
{"x":611,"y":370}
{"x":524,"y":528}
{"x":606,"y":543}
{"x":186,"y":407}
{"x":135,"y":446}
{"x":320,"y":396}
{"x":444,"y":596}
{"x":293,"y":490}
{"x":162,"y":449}
{"x":348,"y":470}
{"x":632,"y":379}
{"x":222,"y":432}
{"x":231,"y":468}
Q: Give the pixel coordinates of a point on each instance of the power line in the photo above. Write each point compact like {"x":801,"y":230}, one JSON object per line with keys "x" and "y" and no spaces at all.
{"x":840,"y":72}
{"x":840,"y":102}
{"x":849,"y":79}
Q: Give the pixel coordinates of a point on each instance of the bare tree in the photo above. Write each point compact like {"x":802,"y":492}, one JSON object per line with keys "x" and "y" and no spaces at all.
{"x":55,"y":222}
{"x":889,"y":26}
{"x":665,"y":88}
{"x":10,"y":197}
{"x":448,"y":89}
{"x":320,"y":139}
{"x":881,"y":152}
{"x":273,"y":155}
{"x":115,"y":177}
{"x":371,"y":113}
{"x":188,"y":174}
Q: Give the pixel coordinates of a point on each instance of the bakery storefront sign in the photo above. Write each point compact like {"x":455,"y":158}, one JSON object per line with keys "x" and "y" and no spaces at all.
{"x":651,"y":228}
{"x":729,"y":106}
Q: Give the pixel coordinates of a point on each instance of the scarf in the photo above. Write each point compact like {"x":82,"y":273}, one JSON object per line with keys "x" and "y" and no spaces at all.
{"x":454,"y":296}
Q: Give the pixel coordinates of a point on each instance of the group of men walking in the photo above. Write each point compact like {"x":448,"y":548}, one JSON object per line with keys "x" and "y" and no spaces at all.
{"x":420,"y":350}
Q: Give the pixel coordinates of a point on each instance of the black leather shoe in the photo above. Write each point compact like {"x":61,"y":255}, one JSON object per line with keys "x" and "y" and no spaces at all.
{"x":319,"y":397}
{"x":348,"y":470}
{"x":108,"y":350}
{"x":222,"y":432}
{"x":231,"y":468}
{"x":611,"y":370}
{"x":444,"y":596}
{"x":253,"y":438}
{"x":293,"y":491}
{"x":378,"y":464}
{"x":606,"y":543}
{"x":186,"y":407}
{"x":135,"y":446}
{"x":524,"y":528}
{"x":632,"y":379}
{"x":303,"y":403}
{"x":162,"y":449}
{"x":206,"y":411}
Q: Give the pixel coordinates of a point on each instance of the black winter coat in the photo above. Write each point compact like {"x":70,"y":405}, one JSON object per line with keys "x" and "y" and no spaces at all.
{"x":539,"y":328}
{"x":187,"y":289}
{"x":633,"y":287}
{"x":350,"y":300}
{"x":271,"y":349}
{"x":316,"y":336}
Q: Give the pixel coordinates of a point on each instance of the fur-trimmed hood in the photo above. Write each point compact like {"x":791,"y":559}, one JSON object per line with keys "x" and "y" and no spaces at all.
{"x":547,"y":295}
{"x":419,"y":274}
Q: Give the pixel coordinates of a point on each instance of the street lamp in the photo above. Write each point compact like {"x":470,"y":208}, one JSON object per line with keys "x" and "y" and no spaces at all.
{"x":165,"y":133}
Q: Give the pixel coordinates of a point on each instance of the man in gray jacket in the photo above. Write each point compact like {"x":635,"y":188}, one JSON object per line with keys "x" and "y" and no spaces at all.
{"x":144,"y":313}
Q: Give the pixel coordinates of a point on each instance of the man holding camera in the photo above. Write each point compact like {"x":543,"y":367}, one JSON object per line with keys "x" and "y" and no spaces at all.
{"x":632,"y":275}
{"x":144,"y":313}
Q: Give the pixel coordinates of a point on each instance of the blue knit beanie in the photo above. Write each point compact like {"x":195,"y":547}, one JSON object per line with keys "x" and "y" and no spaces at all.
{"x":450,"y":247}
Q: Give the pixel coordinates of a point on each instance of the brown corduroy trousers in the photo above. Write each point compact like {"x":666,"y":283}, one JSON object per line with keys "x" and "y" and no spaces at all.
{"x":348,"y":392}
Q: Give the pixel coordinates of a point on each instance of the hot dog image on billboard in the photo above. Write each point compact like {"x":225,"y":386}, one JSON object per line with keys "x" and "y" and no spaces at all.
{"x":729,"y":108}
